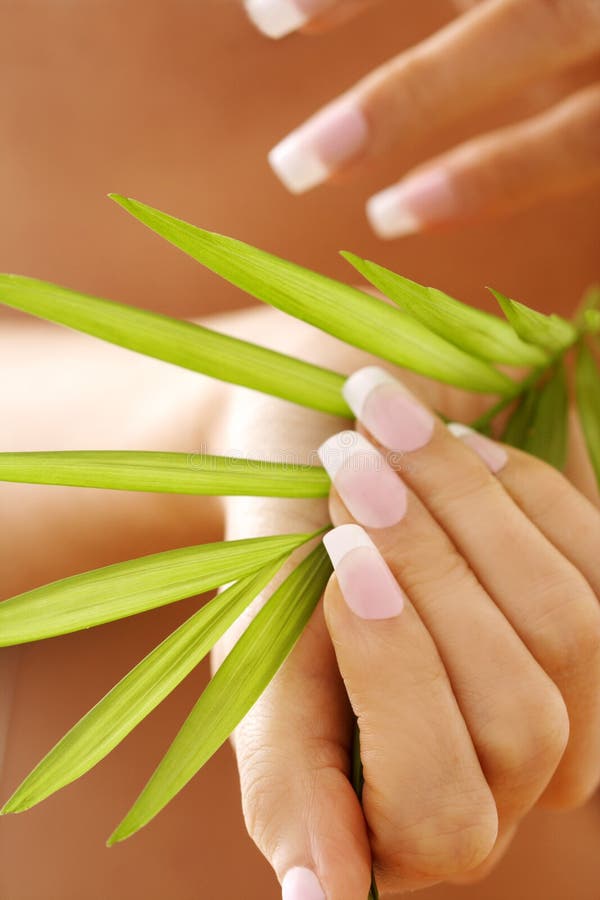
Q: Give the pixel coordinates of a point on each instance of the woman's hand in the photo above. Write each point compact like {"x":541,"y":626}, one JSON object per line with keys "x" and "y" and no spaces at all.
{"x":495,"y":49}
{"x":467,"y":725}
{"x":471,"y":655}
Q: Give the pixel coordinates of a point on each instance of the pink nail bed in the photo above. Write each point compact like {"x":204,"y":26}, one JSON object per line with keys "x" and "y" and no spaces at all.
{"x":424,"y":198}
{"x":391,"y":413}
{"x":301,"y":884}
{"x":366,"y":582}
{"x":493,"y":454}
{"x":372,"y":491}
{"x":332,"y":137}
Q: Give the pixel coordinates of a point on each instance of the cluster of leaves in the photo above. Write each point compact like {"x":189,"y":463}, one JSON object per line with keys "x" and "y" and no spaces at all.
{"x":425,"y":331}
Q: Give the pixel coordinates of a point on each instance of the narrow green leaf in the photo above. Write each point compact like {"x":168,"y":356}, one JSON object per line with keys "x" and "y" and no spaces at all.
{"x":485,"y":336}
{"x":517,"y":428}
{"x":548,"y":433}
{"x":235,"y":688}
{"x":138,"y":693}
{"x":127,"y":588}
{"x":587,"y":385}
{"x":181,"y":343}
{"x":552,"y":333}
{"x":591,"y":321}
{"x":347,"y":313}
{"x":175,"y":473}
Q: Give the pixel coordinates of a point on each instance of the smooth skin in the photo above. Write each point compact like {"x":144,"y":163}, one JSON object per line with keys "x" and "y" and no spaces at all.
{"x":478,"y":704}
{"x":494,"y":50}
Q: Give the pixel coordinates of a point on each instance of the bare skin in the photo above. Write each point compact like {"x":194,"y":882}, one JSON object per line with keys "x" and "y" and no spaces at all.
{"x":118,"y":122}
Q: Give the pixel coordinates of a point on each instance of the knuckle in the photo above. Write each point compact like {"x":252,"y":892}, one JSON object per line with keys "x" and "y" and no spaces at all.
{"x":453,"y":839}
{"x":522,"y":747}
{"x":569,"y":630}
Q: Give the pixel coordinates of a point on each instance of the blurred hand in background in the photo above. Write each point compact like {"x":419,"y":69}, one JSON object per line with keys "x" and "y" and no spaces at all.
{"x":495,"y":49}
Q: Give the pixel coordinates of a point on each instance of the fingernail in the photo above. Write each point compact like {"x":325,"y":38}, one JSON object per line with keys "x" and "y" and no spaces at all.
{"x":307,"y":156}
{"x":276,"y":18}
{"x":420,"y":200}
{"x":301,"y":884}
{"x":494,"y":455}
{"x":391,"y":413}
{"x":369,"y":487}
{"x":367,"y":585}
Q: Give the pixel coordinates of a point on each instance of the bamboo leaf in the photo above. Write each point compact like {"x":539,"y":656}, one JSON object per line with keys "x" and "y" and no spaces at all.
{"x":548,"y":433}
{"x":552,"y":333}
{"x":349,"y":314}
{"x":587,"y":386}
{"x":138,"y":693}
{"x":591,"y":321}
{"x":181,"y":343}
{"x":237,"y":685}
{"x":518,"y":426}
{"x":487,"y":337}
{"x":176,"y":473}
{"x":127,"y":588}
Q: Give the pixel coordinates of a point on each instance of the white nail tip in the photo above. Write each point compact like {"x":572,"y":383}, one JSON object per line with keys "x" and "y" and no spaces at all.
{"x":301,"y":884}
{"x":360,"y":384}
{"x":340,"y":541}
{"x":389,"y":218}
{"x":458,"y":429}
{"x":275,"y":18}
{"x":341,"y":447}
{"x":296,"y":165}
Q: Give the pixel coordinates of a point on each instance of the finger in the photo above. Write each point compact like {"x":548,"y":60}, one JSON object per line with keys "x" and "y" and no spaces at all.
{"x":514,"y":713}
{"x":544,"y":596}
{"x":429,"y":808}
{"x":572,"y":524}
{"x":490,"y":51}
{"x":277,"y":18}
{"x":298,"y":803}
{"x":551,"y":154}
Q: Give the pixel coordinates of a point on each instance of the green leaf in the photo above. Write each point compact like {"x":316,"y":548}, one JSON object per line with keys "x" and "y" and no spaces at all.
{"x":138,"y":693}
{"x":552,"y":333}
{"x":587,"y":386}
{"x":181,"y":343}
{"x":518,"y":426}
{"x":343,"y":311}
{"x":548,"y":433}
{"x":176,"y":473}
{"x":127,"y":588}
{"x":485,"y":336}
{"x":234,"y":689}
{"x":591,"y":321}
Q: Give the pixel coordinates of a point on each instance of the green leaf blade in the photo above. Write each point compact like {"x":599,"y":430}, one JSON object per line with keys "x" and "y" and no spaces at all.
{"x":347,"y":313}
{"x":587,"y":391}
{"x":552,"y":333}
{"x":479,"y":333}
{"x":177,"y":473}
{"x":138,"y":693}
{"x":234,"y":689}
{"x":180,"y":343}
{"x":128,"y":588}
{"x":547,"y":436}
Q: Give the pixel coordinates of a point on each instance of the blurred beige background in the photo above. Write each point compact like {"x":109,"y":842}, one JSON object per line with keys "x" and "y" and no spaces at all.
{"x":176,"y":102}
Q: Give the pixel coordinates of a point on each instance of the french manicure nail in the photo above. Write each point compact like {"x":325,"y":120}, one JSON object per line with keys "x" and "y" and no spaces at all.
{"x":372,"y":491}
{"x":391,"y":413}
{"x":493,"y":454}
{"x":425,"y":198}
{"x":307,"y":156}
{"x":365,"y":580}
{"x":276,"y":18}
{"x":301,"y":884}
